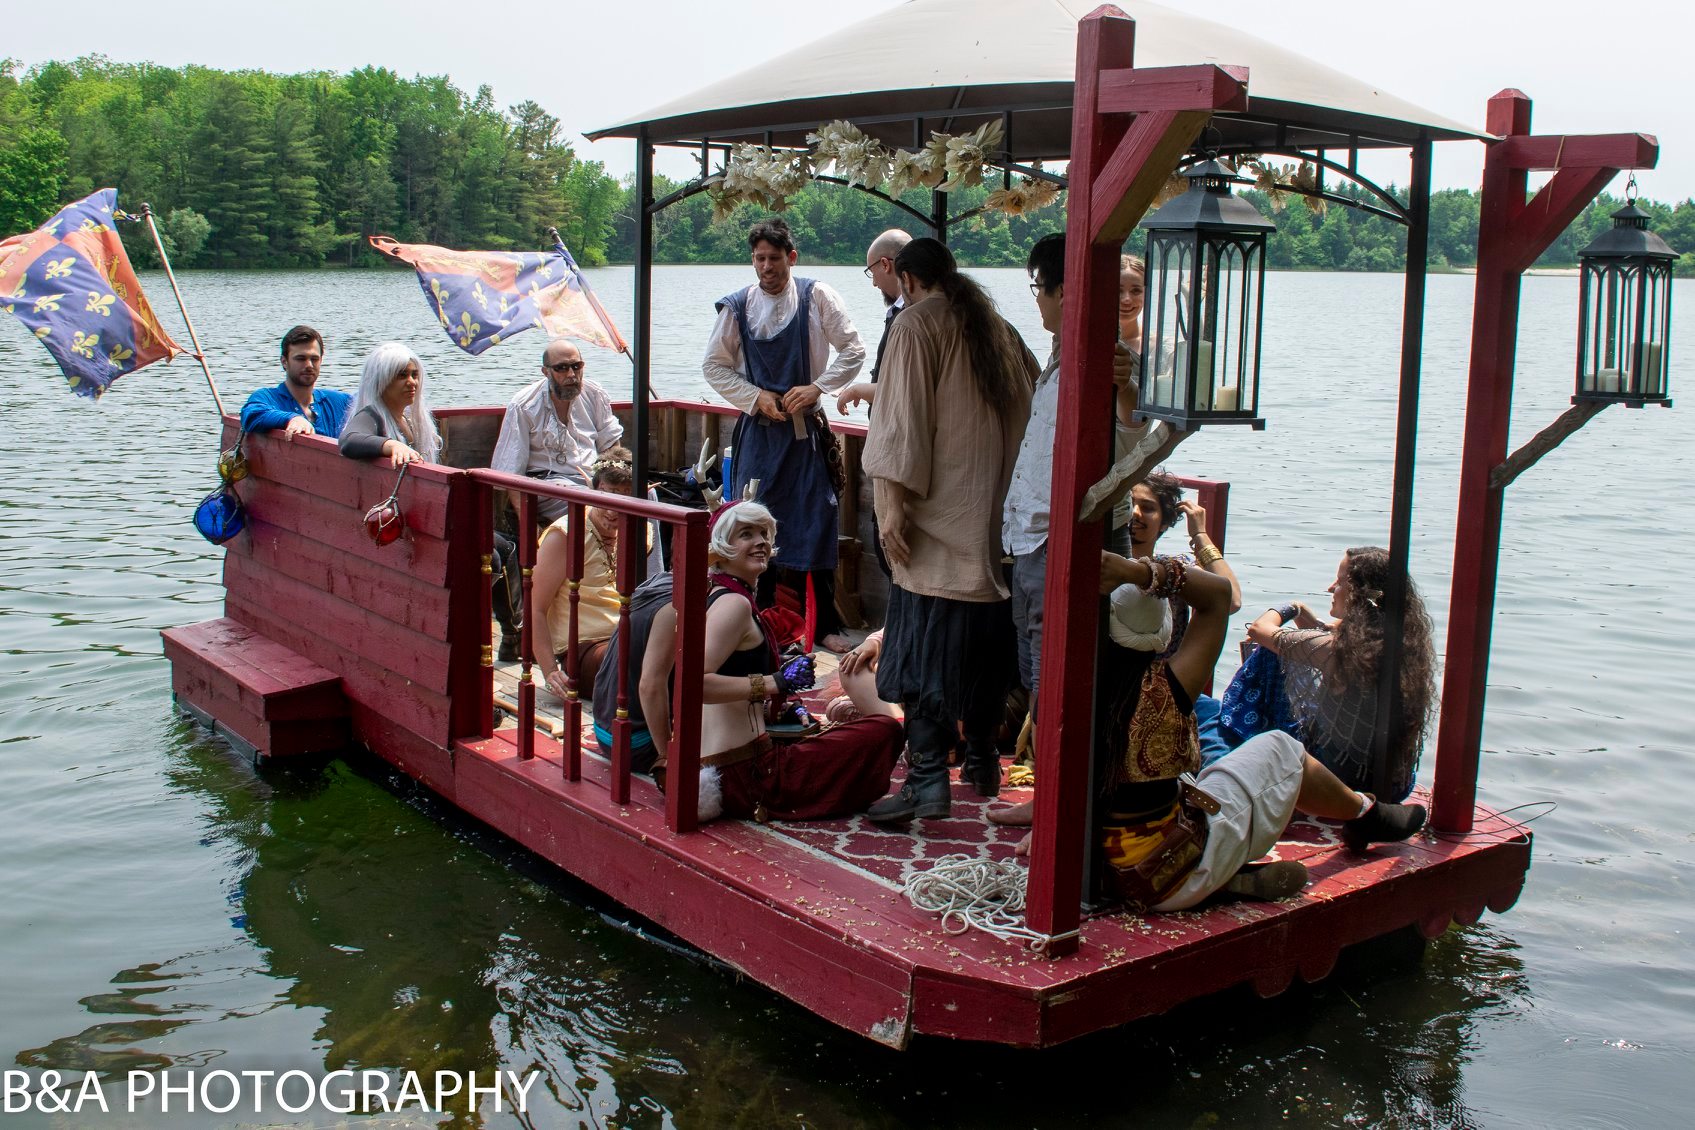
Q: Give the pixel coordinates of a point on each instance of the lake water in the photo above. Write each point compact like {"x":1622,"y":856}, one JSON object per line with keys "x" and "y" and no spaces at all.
{"x":165,"y":905}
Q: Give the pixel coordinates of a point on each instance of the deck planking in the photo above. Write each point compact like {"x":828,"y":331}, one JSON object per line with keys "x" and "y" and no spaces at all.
{"x":799,"y":907}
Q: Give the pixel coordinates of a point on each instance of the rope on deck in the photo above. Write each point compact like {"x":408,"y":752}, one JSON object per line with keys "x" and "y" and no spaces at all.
{"x":971,"y":893}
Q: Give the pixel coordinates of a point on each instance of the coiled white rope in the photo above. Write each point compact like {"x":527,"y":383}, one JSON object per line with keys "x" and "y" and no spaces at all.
{"x":971,"y":893}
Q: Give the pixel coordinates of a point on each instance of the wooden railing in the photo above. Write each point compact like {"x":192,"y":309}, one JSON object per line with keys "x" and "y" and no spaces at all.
{"x":688,"y":536}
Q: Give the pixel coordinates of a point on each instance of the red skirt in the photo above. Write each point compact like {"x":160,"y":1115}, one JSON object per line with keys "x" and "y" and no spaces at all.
{"x":839,"y":772}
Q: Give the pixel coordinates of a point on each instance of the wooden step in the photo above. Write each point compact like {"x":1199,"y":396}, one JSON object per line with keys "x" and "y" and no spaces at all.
{"x":266,"y":698}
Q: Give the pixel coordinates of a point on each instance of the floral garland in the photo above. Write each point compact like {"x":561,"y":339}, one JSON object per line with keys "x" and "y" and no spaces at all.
{"x":760,"y":175}
{"x":757,"y":174}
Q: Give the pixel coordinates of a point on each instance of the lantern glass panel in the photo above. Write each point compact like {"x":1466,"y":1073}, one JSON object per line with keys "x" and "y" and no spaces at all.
{"x":1228,"y":355}
{"x":1165,"y":321}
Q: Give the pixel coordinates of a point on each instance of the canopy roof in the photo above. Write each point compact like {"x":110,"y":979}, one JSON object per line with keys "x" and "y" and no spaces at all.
{"x":952,"y":63}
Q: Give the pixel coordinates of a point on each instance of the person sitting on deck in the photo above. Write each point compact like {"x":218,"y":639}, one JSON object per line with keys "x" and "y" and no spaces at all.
{"x":744,"y":773}
{"x":858,"y":676}
{"x":555,"y":428}
{"x":1318,"y":680}
{"x":1168,"y":845}
{"x":597,"y":592}
{"x":390,"y":418}
{"x":297,"y":405}
{"x":653,"y":625}
{"x":769,"y":355}
{"x":1156,"y":503}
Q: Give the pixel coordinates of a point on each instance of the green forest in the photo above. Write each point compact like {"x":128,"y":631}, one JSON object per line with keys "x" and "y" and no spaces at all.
{"x":251,"y":169}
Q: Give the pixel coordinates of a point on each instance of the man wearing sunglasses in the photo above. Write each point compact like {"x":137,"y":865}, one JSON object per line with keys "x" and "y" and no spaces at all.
{"x":558,"y":426}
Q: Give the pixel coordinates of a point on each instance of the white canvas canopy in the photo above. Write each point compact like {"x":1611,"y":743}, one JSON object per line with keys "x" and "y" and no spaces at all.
{"x":954,"y":62}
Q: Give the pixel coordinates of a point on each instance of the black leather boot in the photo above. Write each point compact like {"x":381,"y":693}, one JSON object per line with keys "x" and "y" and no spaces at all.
{"x":926,"y":791}
{"x":982,"y":767}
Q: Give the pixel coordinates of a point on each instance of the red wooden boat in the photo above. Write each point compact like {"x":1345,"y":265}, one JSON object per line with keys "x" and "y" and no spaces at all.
{"x":326,"y":636}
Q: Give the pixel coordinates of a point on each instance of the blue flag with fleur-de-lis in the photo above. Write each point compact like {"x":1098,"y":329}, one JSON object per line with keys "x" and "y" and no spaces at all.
{"x":70,"y":283}
{"x":482,"y":298}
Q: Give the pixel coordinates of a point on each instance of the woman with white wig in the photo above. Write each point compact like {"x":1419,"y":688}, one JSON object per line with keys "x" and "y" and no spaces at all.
{"x":390,"y":417}
{"x":744,"y":773}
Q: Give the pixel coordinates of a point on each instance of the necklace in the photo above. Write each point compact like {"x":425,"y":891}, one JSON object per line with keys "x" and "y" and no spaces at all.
{"x":607,"y":540}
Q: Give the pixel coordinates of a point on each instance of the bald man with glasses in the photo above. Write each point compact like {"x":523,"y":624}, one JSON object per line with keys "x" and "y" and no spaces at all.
{"x":558,"y":426}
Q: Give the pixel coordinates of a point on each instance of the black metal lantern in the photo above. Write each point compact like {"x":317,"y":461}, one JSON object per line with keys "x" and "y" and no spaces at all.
{"x":1201,"y":323}
{"x":1624,"y":312}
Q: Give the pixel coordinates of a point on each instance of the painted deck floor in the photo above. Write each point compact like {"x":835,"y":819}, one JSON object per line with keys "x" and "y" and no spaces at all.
{"x":817,"y":910}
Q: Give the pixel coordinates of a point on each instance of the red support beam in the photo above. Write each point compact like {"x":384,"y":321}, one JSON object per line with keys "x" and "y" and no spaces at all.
{"x":1117,"y":167}
{"x":576,"y":516}
{"x":1592,"y":151}
{"x":1511,"y":234}
{"x":632,"y":543}
{"x":1105,"y":39}
{"x":527,"y":646}
{"x":470,"y":574}
{"x":688,"y":596}
{"x":1204,"y":87}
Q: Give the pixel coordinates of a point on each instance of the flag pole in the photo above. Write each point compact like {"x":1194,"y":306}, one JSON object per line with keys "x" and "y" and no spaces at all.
{"x":600,"y":311}
{"x":199,"y":353}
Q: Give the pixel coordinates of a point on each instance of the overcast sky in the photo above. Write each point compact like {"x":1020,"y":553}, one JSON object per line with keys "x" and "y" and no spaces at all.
{"x":594,"y":63}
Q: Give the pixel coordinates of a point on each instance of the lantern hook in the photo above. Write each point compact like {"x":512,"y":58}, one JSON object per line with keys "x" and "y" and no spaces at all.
{"x":1630,"y":189}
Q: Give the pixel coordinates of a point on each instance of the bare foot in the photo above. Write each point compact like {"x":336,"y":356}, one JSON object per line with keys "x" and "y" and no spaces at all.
{"x":1015,"y":815}
{"x":1023,"y":849}
{"x":838,"y":644}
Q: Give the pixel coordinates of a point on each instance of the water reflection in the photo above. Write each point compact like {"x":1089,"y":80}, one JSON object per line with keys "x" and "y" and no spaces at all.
{"x":417,"y":941}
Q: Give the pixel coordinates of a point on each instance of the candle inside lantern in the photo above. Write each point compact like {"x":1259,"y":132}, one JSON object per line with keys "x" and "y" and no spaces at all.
{"x":1229,"y":399}
{"x":1650,"y":368}
{"x":1609,"y":380}
{"x":1203,"y":377}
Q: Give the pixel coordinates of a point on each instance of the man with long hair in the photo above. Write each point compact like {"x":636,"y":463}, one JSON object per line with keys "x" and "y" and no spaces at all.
{"x":953,"y":397}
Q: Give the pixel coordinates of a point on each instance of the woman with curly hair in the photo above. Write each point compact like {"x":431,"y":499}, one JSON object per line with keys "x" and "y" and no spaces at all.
{"x":1318,"y":680}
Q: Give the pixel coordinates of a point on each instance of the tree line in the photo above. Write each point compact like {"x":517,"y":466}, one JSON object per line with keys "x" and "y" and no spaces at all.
{"x":253,"y":169}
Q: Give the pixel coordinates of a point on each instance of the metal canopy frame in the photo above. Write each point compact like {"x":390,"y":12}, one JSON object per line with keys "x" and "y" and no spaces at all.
{"x":1237,"y":132}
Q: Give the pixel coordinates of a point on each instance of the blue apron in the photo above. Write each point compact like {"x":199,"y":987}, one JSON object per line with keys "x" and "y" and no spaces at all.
{"x":794,"y":483}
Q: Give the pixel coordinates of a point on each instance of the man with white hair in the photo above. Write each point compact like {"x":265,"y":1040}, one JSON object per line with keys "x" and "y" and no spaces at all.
{"x":556,"y":427}
{"x":880,"y":269}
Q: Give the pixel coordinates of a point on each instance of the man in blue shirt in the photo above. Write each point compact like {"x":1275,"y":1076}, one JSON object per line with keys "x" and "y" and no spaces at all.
{"x":297,"y":405}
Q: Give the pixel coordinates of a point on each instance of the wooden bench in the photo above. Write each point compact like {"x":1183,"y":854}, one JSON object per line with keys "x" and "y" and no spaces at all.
{"x":268,"y":700}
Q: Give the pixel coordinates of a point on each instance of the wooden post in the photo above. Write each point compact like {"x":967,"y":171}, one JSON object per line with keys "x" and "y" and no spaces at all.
{"x":526,"y":635}
{"x":170,"y":275}
{"x":576,"y":515}
{"x":1117,"y":166}
{"x":632,"y":543}
{"x":1511,"y":234}
{"x":688,"y":596}
{"x":471,"y":608}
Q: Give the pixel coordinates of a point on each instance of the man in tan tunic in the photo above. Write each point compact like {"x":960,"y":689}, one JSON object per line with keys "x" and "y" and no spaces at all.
{"x":954,"y":394}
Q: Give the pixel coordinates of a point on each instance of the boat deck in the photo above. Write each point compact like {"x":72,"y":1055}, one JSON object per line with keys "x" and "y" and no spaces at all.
{"x":817,"y":910}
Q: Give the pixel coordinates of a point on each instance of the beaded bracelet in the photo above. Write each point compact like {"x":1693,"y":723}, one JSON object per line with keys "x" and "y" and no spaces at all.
{"x":1153,"y":574}
{"x":1172,"y":582}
